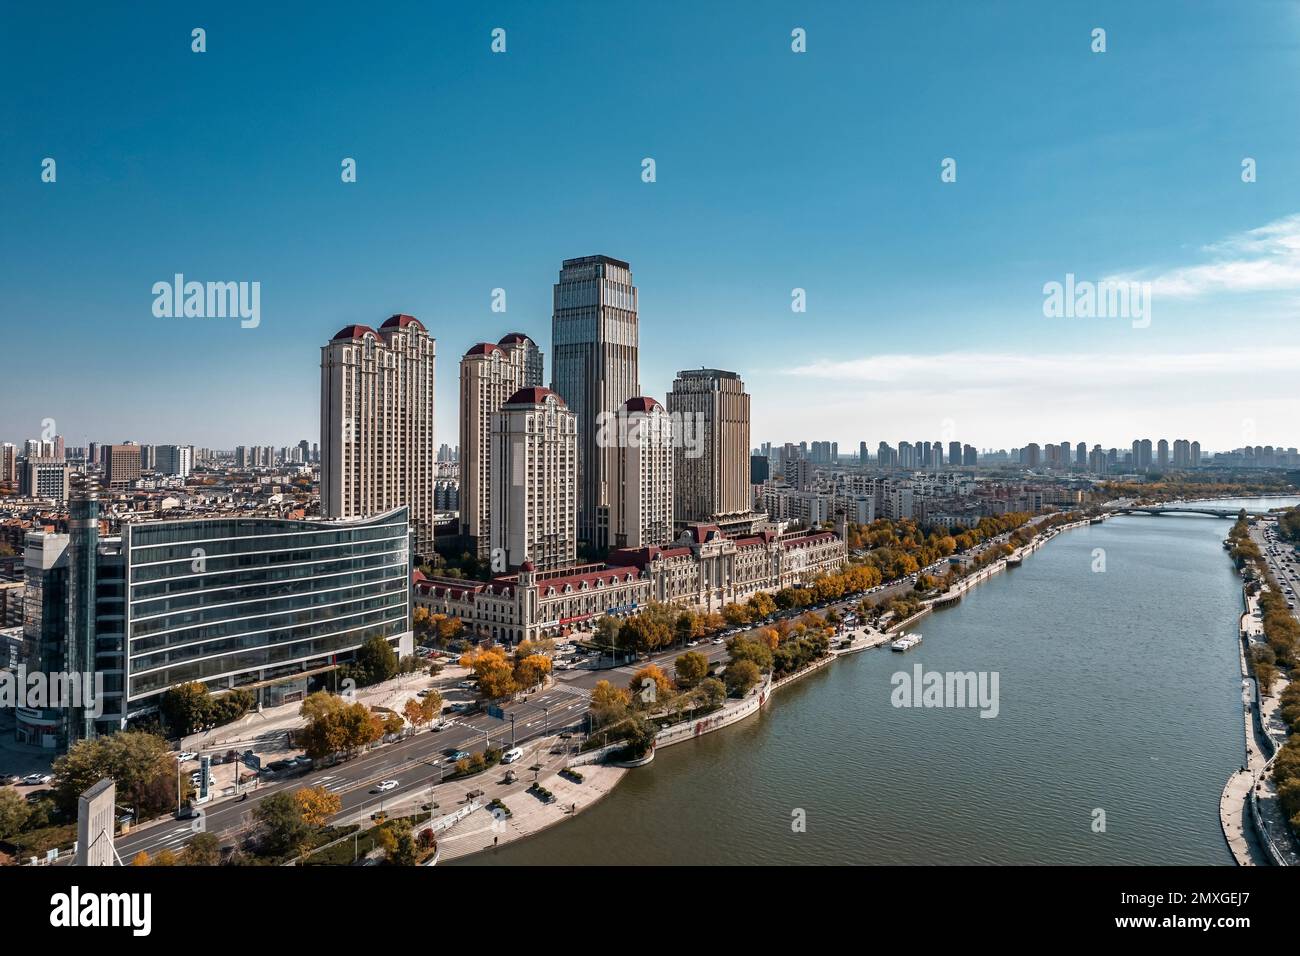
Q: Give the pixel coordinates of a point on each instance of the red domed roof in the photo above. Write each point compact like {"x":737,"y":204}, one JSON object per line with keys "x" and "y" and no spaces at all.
{"x":641,"y":403}
{"x":401,"y":321}
{"x":532,"y":396}
{"x":528,"y":566}
{"x":515,"y":338}
{"x":352,"y":332}
{"x":483,"y":348}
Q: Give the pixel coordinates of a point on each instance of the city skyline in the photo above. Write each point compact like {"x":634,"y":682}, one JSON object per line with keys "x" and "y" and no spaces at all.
{"x":924,"y":299}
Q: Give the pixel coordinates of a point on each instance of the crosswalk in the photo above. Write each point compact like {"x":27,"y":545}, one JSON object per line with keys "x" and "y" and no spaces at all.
{"x":575,"y":691}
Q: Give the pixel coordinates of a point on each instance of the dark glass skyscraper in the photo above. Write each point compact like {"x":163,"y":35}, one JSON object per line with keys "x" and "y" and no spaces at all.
{"x":594,"y":339}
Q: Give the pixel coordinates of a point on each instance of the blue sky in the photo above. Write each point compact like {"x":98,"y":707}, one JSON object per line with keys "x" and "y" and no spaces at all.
{"x":775,"y":170}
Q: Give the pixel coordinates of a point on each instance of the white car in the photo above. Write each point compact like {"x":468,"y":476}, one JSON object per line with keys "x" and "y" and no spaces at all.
{"x":187,"y":755}
{"x":386,"y":785}
{"x":510,"y":756}
{"x":37,"y":779}
{"x":718,"y":640}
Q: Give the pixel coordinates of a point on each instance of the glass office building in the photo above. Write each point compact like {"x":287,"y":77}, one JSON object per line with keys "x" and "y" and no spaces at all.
{"x":253,"y":601}
{"x":259,"y":603}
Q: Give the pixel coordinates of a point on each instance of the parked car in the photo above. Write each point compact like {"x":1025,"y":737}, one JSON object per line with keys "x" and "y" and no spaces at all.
{"x":458,"y":755}
{"x":9,"y":779}
{"x":37,"y":779}
{"x":187,"y":755}
{"x":511,"y":755}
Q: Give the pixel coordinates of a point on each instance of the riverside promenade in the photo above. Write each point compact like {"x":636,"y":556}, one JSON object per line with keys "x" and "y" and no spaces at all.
{"x":1250,"y":813}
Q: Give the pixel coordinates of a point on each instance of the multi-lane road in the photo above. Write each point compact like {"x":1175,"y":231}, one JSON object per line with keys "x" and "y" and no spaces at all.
{"x":416,"y":762}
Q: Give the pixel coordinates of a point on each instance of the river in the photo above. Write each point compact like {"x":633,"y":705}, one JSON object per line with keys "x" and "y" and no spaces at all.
{"x":1119,"y":694}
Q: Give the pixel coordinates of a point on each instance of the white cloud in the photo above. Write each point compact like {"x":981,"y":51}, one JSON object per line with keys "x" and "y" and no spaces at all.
{"x":980,"y":369}
{"x":1003,"y":399}
{"x":1266,"y":259}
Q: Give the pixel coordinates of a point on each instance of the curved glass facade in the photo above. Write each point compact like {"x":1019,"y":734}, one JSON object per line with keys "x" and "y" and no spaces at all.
{"x":232,"y":601}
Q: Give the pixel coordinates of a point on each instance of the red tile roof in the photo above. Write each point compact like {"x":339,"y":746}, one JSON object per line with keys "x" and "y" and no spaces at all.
{"x":515,"y":338}
{"x":352,"y":332}
{"x":483,"y":348}
{"x":641,"y":403}
{"x":535,"y":395}
{"x":401,"y":321}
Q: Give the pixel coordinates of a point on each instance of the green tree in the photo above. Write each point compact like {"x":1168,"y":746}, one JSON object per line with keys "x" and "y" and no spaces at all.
{"x":712,"y":691}
{"x":139,"y":763}
{"x":280,"y":827}
{"x":14,"y":813}
{"x":740,"y":677}
{"x":376,"y":661}
{"x":185,"y":708}
{"x":203,"y":850}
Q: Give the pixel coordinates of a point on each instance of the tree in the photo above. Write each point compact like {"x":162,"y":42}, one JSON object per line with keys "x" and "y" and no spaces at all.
{"x":532,"y":670}
{"x":495,"y":672}
{"x":335,"y":726}
{"x":140,"y":859}
{"x":203,"y":850}
{"x":281,"y":829}
{"x":751,"y":649}
{"x":164,"y":857}
{"x":692,"y":667}
{"x":413,"y":711}
{"x":316,"y":805}
{"x":184,"y":708}
{"x":402,"y":852}
{"x":642,"y":680}
{"x":712,"y":691}
{"x":740,"y":677}
{"x":375,"y":662}
{"x":735,"y":614}
{"x":609,"y":704}
{"x":14,"y":813}
{"x":139,"y":763}
{"x":607,"y":631}
{"x":649,"y":630}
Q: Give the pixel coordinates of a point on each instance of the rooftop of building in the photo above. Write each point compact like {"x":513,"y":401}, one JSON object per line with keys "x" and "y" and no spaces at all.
{"x":533,"y":395}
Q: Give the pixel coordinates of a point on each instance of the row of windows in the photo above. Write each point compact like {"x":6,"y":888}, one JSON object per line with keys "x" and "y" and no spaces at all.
{"x":232,"y":605}
{"x":320,"y":645}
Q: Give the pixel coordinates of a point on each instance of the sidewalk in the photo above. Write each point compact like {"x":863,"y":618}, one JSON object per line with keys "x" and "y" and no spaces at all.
{"x":257,"y":730}
{"x":482,"y":830}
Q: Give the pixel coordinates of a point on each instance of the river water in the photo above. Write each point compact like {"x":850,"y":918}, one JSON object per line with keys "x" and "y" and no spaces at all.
{"x":1118,"y":694}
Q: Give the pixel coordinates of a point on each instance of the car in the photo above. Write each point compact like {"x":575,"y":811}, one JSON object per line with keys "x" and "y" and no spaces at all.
{"x":692,"y":643}
{"x":513,"y":754}
{"x":187,"y":755}
{"x":37,"y":779}
{"x":275,"y":766}
{"x":425,"y":693}
{"x":440,"y":725}
{"x":468,"y":684}
{"x":718,"y":640}
{"x":302,"y":760}
{"x":385,"y":785}
{"x":458,"y":755}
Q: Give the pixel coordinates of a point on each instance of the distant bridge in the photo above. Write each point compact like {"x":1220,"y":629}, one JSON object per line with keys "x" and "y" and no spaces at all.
{"x":1187,"y":510}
